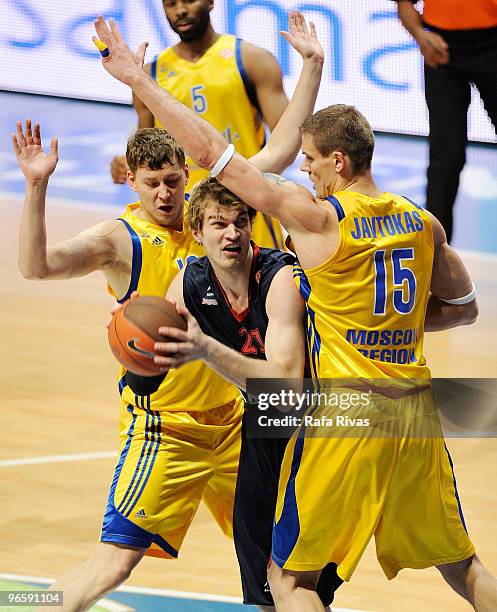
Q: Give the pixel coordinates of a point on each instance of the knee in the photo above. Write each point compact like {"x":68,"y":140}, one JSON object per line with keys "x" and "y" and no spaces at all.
{"x":279,"y":584}
{"x":456,"y":573}
{"x":114,"y":567}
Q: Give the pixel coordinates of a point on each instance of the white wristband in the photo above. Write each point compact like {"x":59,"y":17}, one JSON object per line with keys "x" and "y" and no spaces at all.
{"x":462,"y":300}
{"x":221,"y":163}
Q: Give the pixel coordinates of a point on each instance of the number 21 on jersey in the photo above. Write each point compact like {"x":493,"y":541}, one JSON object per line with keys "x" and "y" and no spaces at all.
{"x":403,"y":281}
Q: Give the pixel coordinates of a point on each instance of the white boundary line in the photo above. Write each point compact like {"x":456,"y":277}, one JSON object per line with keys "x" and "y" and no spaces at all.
{"x":160,"y":592}
{"x":58,"y":458}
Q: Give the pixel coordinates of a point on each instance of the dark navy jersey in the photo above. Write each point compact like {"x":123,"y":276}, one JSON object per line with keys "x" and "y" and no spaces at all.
{"x":205,"y":298}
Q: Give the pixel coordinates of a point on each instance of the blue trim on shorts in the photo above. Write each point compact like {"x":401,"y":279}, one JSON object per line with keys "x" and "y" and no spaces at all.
{"x":286,"y":531}
{"x":455,"y":489}
{"x":122,"y":456}
{"x":165,"y":546}
{"x":313,"y":337}
{"x":337,"y":206}
{"x":136,"y":263}
{"x":156,"y":432}
{"x":151,"y":439}
{"x":122,"y":384}
{"x":117,"y":472}
{"x":121,"y":530}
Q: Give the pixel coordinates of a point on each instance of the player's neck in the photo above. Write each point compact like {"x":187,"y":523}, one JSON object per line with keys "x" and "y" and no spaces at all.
{"x":235,"y":283}
{"x":193,"y":51}
{"x":361,"y":184}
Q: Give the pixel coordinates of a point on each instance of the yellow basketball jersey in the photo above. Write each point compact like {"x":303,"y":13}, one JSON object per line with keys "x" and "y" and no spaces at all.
{"x":366,"y":304}
{"x":158,"y":255}
{"x":217,"y":88}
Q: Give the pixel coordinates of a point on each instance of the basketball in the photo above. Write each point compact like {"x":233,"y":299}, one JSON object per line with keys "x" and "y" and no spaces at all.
{"x":134,"y":329}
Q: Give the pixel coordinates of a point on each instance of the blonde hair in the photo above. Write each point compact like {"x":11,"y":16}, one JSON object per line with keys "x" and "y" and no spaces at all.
{"x":343,"y":128}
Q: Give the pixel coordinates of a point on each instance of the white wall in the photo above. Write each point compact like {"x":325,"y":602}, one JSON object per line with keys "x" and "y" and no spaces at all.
{"x":46,"y":47}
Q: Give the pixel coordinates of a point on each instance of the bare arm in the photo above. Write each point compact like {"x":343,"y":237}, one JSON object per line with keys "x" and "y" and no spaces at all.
{"x":175,"y":290}
{"x":433,"y":47}
{"x":89,"y":251}
{"x":119,"y":165}
{"x":294,"y":206}
{"x":284,"y":342}
{"x":264,"y":73}
{"x":285,"y":140}
{"x":450,"y":280}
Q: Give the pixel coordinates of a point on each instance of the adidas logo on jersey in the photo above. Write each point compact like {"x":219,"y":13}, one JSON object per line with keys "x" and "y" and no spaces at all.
{"x":158,"y":241}
{"x":141,"y":514}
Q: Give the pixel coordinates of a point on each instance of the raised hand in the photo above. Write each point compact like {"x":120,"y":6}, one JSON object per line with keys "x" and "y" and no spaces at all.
{"x":303,"y":39}
{"x":121,"y":62}
{"x":118,"y":169}
{"x":36,"y":165}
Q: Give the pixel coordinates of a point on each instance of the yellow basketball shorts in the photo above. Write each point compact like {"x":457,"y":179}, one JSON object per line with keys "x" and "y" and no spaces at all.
{"x":168,"y":462}
{"x":336,"y":492}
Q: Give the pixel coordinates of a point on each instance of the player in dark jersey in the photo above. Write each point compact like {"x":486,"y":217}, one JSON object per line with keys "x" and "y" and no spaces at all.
{"x":234,"y":298}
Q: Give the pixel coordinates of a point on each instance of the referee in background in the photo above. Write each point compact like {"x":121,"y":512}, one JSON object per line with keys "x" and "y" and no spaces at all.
{"x":458,"y":40}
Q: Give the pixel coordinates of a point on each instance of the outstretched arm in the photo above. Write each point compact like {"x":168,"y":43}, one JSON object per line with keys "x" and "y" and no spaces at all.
{"x":284,"y":142}
{"x":284,"y":342}
{"x":294,"y":206}
{"x":75,"y":257}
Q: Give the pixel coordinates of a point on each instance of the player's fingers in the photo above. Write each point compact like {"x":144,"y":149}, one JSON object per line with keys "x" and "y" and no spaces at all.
{"x":173,"y":332}
{"x":142,"y":49}
{"x":20,"y":136}
{"x":103,"y":30}
{"x":37,"y":134}
{"x":169,"y":348}
{"x":303,"y":24}
{"x":114,"y":28}
{"x":313,"y":29}
{"x":54,"y":147}
{"x":182,"y":310}
{"x":164,"y":362}
{"x":15,"y":144}
{"x":134,"y":294}
{"x":291,"y":22}
{"x":29,"y":132}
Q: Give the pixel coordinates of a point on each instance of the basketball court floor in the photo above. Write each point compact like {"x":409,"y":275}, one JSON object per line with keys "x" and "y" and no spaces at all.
{"x":59,"y":420}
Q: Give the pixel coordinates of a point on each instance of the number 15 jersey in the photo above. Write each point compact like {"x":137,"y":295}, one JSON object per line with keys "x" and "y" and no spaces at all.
{"x":366,"y":304}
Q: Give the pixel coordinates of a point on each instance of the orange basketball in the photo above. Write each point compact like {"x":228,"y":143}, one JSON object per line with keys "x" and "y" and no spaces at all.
{"x":134,"y":330}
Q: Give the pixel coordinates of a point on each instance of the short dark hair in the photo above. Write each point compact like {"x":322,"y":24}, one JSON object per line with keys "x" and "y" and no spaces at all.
{"x":210,"y":190}
{"x":343,"y":128}
{"x":153,"y":148}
